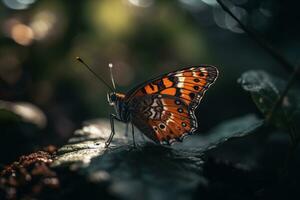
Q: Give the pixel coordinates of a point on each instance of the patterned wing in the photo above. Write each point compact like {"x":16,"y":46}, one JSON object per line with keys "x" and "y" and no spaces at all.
{"x":163,"y":108}
{"x":163,"y":118}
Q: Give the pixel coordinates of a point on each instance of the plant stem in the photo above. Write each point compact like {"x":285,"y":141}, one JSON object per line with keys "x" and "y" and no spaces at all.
{"x":285,"y":64}
{"x":262,"y":42}
{"x":273,"y":52}
{"x":278,"y":103}
{"x":291,"y":151}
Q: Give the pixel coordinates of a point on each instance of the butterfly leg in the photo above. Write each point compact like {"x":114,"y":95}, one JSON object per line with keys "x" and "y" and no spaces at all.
{"x":132,"y":130}
{"x":126,"y":131}
{"x":112,"y":124}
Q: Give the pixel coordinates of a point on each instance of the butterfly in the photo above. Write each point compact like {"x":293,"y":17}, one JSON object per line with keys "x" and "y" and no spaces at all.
{"x":162,"y":108}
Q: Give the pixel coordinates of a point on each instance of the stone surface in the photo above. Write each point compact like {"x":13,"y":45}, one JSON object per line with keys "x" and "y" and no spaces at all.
{"x":149,"y":171}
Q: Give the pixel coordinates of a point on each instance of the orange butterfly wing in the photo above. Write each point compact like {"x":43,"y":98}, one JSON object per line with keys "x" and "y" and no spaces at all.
{"x":163,"y":108}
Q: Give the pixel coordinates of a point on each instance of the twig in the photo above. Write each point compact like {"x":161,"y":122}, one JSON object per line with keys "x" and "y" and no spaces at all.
{"x":291,"y":151}
{"x":292,"y":132}
{"x":263,"y":43}
{"x":281,"y":59}
{"x":278,"y":103}
{"x":289,"y":67}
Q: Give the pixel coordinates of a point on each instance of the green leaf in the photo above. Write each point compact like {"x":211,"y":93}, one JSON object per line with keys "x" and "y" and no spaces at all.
{"x":129,"y":171}
{"x":265,"y":90}
{"x":8,"y":116}
{"x":229,"y":129}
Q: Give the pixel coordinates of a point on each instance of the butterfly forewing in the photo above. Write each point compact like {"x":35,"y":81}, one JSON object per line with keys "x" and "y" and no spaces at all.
{"x":163,"y":108}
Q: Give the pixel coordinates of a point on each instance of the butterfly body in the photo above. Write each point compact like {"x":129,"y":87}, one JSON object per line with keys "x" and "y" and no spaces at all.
{"x":121,"y":108}
{"x":163,"y":107}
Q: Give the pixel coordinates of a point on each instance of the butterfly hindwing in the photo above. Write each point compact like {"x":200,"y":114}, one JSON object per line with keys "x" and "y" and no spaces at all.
{"x":163,"y":108}
{"x":163,"y":118}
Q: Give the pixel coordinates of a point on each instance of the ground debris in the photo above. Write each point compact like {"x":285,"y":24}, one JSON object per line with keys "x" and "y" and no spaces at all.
{"x":29,"y":176}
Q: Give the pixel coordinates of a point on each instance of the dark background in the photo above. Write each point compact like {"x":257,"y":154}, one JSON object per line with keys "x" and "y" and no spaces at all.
{"x":40,"y":39}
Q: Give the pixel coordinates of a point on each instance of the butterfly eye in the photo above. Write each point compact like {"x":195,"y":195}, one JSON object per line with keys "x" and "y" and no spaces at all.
{"x":113,"y":97}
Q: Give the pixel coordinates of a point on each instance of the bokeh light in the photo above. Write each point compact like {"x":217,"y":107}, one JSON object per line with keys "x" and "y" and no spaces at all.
{"x":108,"y":22}
{"x":141,"y":3}
{"x":219,"y":17}
{"x":30,"y":113}
{"x":22,"y":34}
{"x":10,"y":66}
{"x":18,"y":4}
{"x":193,"y":4}
{"x":19,"y":32}
{"x":26,"y":1}
{"x":225,"y":21}
{"x":42,"y":24}
{"x":210,"y":2}
{"x":231,"y":23}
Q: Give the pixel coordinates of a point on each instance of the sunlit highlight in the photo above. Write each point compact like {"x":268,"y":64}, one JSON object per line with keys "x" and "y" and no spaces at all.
{"x":22,"y":34}
{"x":18,"y":4}
{"x":112,"y":22}
{"x":210,"y":2}
{"x":26,"y":111}
{"x":193,"y":4}
{"x":141,"y":3}
{"x":42,"y":23}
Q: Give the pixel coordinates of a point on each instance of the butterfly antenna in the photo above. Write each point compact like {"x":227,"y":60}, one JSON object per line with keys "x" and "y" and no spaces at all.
{"x":110,"y":65}
{"x":98,"y":77}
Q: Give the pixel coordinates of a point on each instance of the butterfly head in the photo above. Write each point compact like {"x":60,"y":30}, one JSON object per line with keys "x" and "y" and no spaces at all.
{"x":117,"y":101}
{"x":113,"y":98}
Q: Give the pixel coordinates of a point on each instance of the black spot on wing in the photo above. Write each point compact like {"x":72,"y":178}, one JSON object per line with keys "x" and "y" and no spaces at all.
{"x":160,"y":85}
{"x":151,"y":86}
{"x":162,"y":126}
{"x":192,"y":95}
